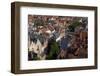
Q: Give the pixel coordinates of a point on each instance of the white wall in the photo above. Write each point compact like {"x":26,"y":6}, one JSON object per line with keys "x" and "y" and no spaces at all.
{"x":5,"y":42}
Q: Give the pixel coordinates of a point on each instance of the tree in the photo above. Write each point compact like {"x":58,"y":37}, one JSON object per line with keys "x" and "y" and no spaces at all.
{"x":73,"y":26}
{"x":54,"y":49}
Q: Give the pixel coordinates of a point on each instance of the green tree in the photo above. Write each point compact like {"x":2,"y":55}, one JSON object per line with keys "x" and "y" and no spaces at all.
{"x":53,"y":50}
{"x":73,"y":26}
